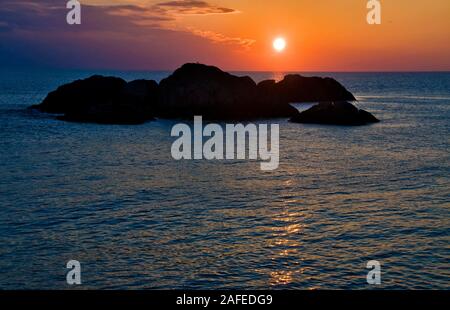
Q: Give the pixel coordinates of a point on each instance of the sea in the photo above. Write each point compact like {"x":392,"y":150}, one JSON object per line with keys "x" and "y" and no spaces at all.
{"x":113,"y":198}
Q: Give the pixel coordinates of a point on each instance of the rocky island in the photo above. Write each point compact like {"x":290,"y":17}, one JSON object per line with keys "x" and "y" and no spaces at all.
{"x":197,"y":89}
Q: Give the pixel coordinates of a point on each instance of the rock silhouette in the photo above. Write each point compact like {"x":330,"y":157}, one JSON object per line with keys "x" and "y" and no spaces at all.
{"x":101,"y":99}
{"x":196,"y":89}
{"x":297,"y":88}
{"x":193,"y":89}
{"x":335,"y":113}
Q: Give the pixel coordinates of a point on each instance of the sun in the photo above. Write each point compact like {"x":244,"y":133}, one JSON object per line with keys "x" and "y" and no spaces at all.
{"x":279,"y":44}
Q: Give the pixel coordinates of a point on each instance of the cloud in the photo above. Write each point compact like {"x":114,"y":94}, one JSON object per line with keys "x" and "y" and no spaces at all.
{"x":124,"y":35}
{"x":220,"y":38}
{"x":140,"y":15}
{"x":50,"y":16}
{"x":193,"y":7}
{"x":164,"y":15}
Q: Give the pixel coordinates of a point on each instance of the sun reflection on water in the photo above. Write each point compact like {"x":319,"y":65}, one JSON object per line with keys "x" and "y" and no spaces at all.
{"x":286,"y":244}
{"x":278,"y":76}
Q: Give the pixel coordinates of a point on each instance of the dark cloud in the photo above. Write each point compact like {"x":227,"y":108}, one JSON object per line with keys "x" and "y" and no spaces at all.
{"x":119,"y":36}
{"x":50,"y":16}
{"x":193,"y":7}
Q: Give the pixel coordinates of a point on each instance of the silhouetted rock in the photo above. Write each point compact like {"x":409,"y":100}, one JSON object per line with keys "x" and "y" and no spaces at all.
{"x":91,"y":91}
{"x":140,"y":91}
{"x":270,"y":101}
{"x":103,"y":100}
{"x":336,"y":113}
{"x":193,"y":89}
{"x":297,"y":88}
{"x":196,"y":89}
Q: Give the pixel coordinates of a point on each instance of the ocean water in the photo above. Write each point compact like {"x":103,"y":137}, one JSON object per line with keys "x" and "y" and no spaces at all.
{"x":112,"y":197}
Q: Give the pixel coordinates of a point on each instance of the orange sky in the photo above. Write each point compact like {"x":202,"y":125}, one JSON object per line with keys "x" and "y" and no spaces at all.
{"x":321,"y":35}
{"x":334,"y":35}
{"x":328,"y":35}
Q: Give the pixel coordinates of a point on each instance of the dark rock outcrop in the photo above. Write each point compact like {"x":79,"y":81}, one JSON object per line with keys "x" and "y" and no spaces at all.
{"x":101,"y":99}
{"x":91,"y":91}
{"x":297,"y":88}
{"x":335,"y":113}
{"x":271,"y":103}
{"x":196,"y":89}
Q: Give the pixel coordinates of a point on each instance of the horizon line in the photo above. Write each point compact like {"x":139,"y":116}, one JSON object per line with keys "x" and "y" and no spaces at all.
{"x":6,"y":68}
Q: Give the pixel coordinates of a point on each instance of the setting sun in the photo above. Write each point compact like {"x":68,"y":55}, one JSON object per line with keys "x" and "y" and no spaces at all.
{"x":279,"y":44}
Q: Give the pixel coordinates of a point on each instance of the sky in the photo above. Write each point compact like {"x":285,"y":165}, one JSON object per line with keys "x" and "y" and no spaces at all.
{"x":321,"y":35}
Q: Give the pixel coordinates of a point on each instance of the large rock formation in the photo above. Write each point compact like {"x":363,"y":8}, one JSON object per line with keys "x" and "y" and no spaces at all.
{"x":196,"y":89}
{"x":297,"y":88}
{"x":103,"y":100}
{"x":335,"y":113}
